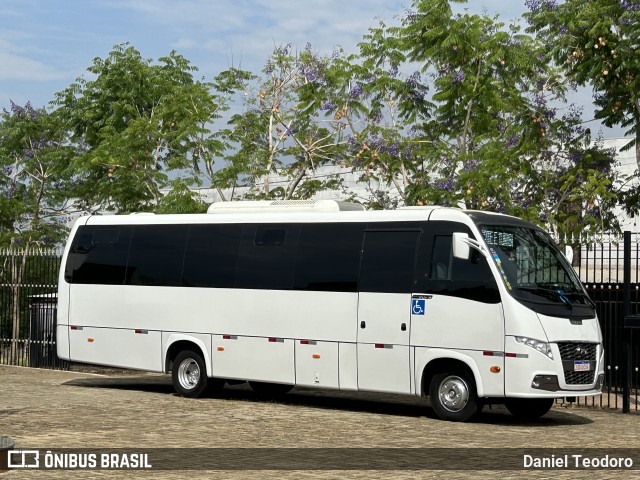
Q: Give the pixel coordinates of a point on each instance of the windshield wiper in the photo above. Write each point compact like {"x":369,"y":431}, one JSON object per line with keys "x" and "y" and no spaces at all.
{"x":559,"y":293}
{"x":583,"y":295}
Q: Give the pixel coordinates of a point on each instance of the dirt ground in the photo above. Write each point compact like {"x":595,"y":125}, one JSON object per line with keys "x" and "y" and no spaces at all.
{"x":45,"y":409}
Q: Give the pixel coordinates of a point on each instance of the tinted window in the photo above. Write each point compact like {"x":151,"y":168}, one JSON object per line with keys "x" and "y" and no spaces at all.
{"x":439,"y":272}
{"x":98,"y":255}
{"x":387,"y":261}
{"x":267,"y":256}
{"x":329,"y":257}
{"x":157,"y":252}
{"x":211,"y":256}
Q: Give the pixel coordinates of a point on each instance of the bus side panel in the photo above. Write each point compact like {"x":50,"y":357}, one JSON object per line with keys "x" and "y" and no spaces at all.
{"x":316,"y":364}
{"x":64,"y":293}
{"x":266,"y":359}
{"x":62,"y":342}
{"x":348,"y":365}
{"x":458,"y":323}
{"x":329,"y":316}
{"x":127,"y":348}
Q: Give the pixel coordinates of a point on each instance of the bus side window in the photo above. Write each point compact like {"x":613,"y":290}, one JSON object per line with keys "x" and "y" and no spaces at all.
{"x":471,"y":279}
{"x":156,"y":256}
{"x":267,"y":257}
{"x":211,"y":256}
{"x":99,"y":255}
{"x":329,"y":257}
{"x":388,"y":261}
{"x":441,"y":258}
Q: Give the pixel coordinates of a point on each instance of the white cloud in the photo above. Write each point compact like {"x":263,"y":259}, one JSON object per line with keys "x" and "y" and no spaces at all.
{"x":184,"y":43}
{"x":249,"y":29}
{"x":16,"y":65}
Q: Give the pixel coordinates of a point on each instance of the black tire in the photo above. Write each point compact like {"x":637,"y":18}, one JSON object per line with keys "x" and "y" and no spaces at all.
{"x":453,"y":396}
{"x":270,"y":390}
{"x":529,"y":408}
{"x":189,"y":374}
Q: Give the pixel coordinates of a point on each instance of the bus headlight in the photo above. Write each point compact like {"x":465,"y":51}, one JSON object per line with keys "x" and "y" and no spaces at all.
{"x":542,"y":347}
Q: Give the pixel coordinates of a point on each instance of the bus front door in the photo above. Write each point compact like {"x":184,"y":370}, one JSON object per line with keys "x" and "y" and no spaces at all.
{"x":384,"y":311}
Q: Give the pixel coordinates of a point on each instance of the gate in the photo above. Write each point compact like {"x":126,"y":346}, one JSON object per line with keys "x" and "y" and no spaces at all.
{"x":28,"y":288}
{"x":601,"y":268}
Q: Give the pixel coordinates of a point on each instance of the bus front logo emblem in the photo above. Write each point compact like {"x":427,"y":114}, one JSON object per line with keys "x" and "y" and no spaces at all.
{"x":417,"y":306}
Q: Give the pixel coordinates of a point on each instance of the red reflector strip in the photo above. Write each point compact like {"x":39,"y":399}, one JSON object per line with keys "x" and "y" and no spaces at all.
{"x":308,"y":342}
{"x":143,"y":332}
{"x":273,"y":340}
{"x":517,"y":355}
{"x":383,"y":345}
{"x":74,"y":327}
{"x":493,"y":354}
{"x":229,"y":337}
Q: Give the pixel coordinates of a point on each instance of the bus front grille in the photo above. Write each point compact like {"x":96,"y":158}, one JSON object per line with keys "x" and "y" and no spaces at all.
{"x":570,"y":352}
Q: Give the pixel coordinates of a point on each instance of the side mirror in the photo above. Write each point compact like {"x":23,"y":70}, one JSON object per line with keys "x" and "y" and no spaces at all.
{"x":568,"y":253}
{"x":461,"y":248}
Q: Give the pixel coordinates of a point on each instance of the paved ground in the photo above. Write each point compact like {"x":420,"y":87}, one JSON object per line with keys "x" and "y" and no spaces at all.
{"x":51,"y":409}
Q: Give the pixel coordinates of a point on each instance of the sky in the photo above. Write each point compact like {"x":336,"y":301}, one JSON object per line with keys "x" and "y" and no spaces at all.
{"x":46,"y":44}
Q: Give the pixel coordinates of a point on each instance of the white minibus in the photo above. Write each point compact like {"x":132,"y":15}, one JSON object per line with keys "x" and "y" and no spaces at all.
{"x":466,"y":307}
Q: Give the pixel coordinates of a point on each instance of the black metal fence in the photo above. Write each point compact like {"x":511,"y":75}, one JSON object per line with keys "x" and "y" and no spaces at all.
{"x":28,"y":285}
{"x":600,"y":266}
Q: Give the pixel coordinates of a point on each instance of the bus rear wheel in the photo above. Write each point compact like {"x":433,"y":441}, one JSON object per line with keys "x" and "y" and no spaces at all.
{"x":529,"y":408}
{"x":189,"y":374}
{"x":453,"y":396}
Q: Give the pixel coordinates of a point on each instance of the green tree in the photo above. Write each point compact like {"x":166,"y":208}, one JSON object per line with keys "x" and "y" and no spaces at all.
{"x":180,"y":199}
{"x":35,"y":178}
{"x":487,"y":121}
{"x":277,"y":132}
{"x":136,"y":121}
{"x":596,"y":43}
{"x":34,"y":185}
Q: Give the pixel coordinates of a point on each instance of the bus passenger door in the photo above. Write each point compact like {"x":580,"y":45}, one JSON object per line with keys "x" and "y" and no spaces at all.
{"x":384,"y":310}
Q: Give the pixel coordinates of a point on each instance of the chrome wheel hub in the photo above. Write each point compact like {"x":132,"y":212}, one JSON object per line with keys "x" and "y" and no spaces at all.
{"x":453,"y":393}
{"x":189,"y":373}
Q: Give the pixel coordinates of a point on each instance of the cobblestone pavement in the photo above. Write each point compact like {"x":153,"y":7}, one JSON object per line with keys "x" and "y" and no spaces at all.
{"x":47,"y":409}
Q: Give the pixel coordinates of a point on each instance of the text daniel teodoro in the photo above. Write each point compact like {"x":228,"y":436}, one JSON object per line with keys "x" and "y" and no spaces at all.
{"x":55,"y":460}
{"x":576,"y":461}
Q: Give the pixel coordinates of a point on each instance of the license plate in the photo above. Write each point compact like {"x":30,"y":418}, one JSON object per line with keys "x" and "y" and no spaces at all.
{"x":581,"y":366}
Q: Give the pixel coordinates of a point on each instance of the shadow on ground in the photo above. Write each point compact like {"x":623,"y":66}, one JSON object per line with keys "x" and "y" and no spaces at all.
{"x":376,"y":403}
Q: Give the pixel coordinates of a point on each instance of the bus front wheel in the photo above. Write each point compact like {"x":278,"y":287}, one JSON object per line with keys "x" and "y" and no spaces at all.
{"x":453,"y":396}
{"x":189,"y":374}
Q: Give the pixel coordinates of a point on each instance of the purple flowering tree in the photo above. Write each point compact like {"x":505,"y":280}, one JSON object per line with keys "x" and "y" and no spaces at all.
{"x":494,"y":130}
{"x":595,"y":42}
{"x":276,"y":132}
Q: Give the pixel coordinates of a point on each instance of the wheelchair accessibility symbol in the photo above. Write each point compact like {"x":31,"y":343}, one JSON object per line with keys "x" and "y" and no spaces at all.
{"x":417,"y":306}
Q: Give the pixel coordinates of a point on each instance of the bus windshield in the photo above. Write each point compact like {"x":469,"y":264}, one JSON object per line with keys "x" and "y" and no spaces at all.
{"x":532,"y":267}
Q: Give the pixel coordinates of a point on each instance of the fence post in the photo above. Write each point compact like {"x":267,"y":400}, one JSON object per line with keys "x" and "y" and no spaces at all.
{"x":626,"y":311}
